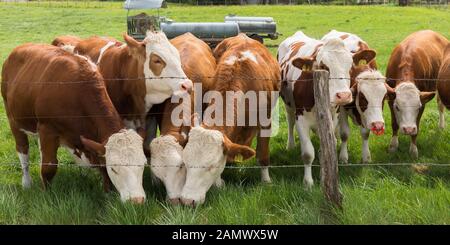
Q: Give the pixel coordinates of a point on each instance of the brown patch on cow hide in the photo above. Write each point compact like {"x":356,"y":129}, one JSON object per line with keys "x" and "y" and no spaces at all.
{"x":156,"y":64}
{"x":343,"y":37}
{"x":363,"y":103}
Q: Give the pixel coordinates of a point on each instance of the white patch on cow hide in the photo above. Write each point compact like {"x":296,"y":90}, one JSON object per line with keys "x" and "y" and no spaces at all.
{"x":91,"y":64}
{"x":230,"y":60}
{"x":69,"y":48}
{"x":248,"y":55}
{"x":103,"y":49}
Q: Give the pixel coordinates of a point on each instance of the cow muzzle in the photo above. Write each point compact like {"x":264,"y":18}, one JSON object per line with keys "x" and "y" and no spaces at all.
{"x":377,"y":128}
{"x":409,"y":130}
{"x":137,"y":200}
{"x":191,"y":202}
{"x":343,"y":98}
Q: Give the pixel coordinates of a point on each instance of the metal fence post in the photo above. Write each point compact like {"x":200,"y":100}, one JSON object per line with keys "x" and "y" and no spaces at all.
{"x":328,"y":157}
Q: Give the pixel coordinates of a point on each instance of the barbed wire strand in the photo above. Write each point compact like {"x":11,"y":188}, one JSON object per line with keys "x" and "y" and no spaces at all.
{"x":399,"y":164}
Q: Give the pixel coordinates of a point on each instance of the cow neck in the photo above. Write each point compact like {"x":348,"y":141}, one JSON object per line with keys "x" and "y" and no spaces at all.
{"x":105,"y":120}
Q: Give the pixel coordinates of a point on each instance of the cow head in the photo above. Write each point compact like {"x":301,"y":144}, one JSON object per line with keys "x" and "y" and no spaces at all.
{"x":162,"y":66}
{"x":205,"y":156}
{"x":167,"y":164}
{"x":337,"y":59}
{"x":407,"y":102}
{"x":125,"y":161}
{"x":370,"y":89}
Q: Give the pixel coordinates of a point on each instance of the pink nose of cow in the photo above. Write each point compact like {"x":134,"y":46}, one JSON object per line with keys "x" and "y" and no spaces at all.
{"x":409,"y":130}
{"x":377,"y":128}
{"x":175,"y":201}
{"x":137,"y":200}
{"x":187,"y":86}
{"x":343,"y":98}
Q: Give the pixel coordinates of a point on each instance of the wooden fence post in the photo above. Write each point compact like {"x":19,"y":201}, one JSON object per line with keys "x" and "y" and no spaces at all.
{"x":328,"y":157}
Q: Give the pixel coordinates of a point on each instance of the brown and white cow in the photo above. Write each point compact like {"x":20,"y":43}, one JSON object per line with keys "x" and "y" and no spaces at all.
{"x":62,"y":98}
{"x":137,"y":74}
{"x":167,"y":164}
{"x":412,"y":70}
{"x":244,"y":67}
{"x":443,"y":86}
{"x":298,"y":56}
{"x":369,"y":90}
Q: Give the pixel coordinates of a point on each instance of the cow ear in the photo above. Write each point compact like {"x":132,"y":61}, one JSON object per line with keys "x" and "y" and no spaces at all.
{"x":364,"y":57}
{"x":304,"y":63}
{"x":232,"y":150}
{"x":390,"y":91}
{"x":93,"y":146}
{"x":426,"y":96}
{"x":135,"y":47}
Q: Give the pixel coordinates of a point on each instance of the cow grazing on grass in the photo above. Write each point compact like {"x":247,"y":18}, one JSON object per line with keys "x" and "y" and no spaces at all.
{"x":62,"y":98}
{"x":443,"y":86}
{"x":412,"y":70}
{"x":137,"y":74}
{"x":166,"y":151}
{"x":298,"y":56}
{"x":243,"y":65}
{"x":369,"y":89}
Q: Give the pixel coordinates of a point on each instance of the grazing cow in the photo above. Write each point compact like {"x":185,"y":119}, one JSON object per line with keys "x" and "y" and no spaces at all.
{"x":412,"y":70}
{"x":137,"y":74}
{"x":166,"y":151}
{"x":299,"y":55}
{"x":244,"y":66}
{"x":443,"y":86}
{"x":369,"y":90}
{"x":62,"y":98}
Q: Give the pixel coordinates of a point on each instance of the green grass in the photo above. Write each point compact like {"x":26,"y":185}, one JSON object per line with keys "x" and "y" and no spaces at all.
{"x":372,"y":195}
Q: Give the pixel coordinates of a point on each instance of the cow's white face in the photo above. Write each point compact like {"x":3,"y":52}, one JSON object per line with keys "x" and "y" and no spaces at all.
{"x":407,"y":104}
{"x":369,"y":100}
{"x":205,"y":156}
{"x":125,"y":161}
{"x":167,"y":164}
{"x":162,"y":69}
{"x":338,"y":59}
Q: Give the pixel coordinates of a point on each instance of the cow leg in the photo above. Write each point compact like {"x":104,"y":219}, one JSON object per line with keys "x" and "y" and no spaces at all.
{"x":393,"y":146}
{"x":344,"y":131}
{"x":49,"y":143}
{"x":290,"y":116}
{"x":22,"y":148}
{"x":413,"y":151}
{"x":366,"y":157}
{"x":441,"y":108}
{"x":151,"y":128}
{"x":263,"y":156}
{"x":303,"y":129}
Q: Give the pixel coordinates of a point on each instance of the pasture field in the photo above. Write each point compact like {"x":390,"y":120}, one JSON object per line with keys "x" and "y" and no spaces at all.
{"x":372,"y":195}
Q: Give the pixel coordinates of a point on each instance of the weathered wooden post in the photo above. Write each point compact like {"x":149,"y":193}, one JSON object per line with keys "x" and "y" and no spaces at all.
{"x":328,"y":157}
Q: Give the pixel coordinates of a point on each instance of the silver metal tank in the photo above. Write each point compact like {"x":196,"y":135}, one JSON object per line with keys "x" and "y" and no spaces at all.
{"x":206,"y":31}
{"x":255,"y":25}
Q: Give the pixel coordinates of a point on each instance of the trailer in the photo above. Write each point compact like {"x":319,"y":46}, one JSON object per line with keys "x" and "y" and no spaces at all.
{"x":212,"y":33}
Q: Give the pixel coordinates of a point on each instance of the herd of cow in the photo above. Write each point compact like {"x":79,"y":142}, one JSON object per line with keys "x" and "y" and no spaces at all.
{"x":103,"y":100}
